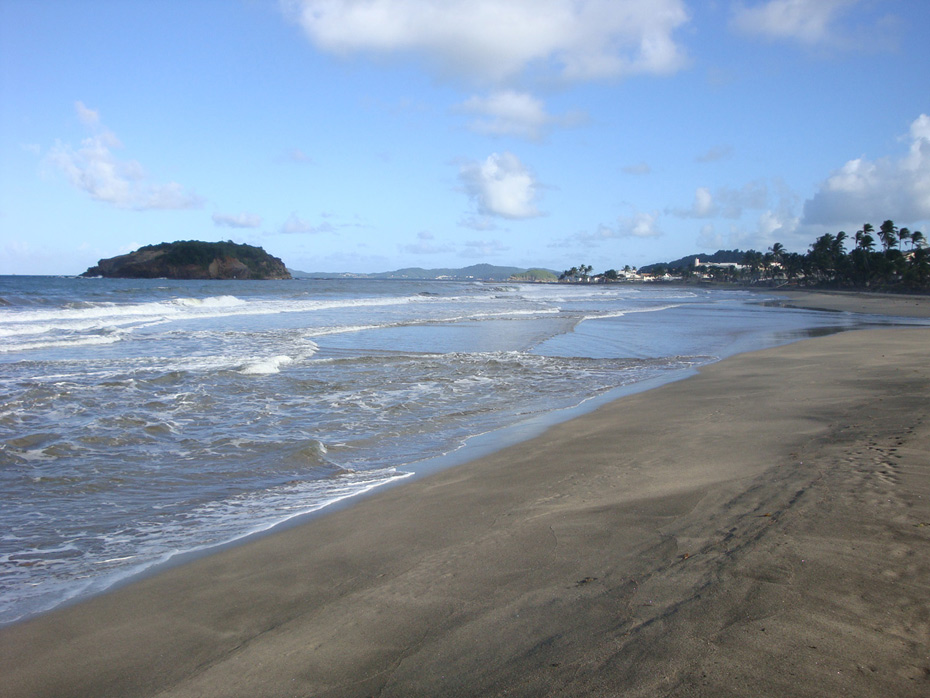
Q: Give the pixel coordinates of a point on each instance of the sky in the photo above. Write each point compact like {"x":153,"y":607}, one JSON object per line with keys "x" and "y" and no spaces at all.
{"x":372,"y":135}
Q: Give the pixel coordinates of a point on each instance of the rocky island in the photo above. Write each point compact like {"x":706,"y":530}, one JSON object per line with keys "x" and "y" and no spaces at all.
{"x":191,"y":259}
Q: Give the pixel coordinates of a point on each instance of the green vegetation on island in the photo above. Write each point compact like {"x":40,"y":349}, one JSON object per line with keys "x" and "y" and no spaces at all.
{"x":192,"y":259}
{"x":535,"y":275}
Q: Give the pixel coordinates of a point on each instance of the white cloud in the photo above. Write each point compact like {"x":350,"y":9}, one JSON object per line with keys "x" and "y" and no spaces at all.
{"x":641,"y":225}
{"x":95,"y":170}
{"x":237,"y":220}
{"x":299,"y":156}
{"x":493,"y":42}
{"x":295,"y":225}
{"x":424,"y":245}
{"x":864,"y":190}
{"x":703,"y":205}
{"x":483,"y":248}
{"x":718,"y":152}
{"x":725,"y":202}
{"x":88,"y":117}
{"x":808,"y":21}
{"x":512,"y":113}
{"x":709,"y":238}
{"x":501,"y":186}
{"x":481,"y":223}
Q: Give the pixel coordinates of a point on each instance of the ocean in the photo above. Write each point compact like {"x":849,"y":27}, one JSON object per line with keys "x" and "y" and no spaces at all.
{"x":141,"y":419}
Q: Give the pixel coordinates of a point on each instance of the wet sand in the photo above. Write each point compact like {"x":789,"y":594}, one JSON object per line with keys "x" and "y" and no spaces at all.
{"x":897,"y":304}
{"x":762,"y":528}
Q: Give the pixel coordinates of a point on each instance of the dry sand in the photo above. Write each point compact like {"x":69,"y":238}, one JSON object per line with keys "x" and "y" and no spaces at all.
{"x":761,"y":529}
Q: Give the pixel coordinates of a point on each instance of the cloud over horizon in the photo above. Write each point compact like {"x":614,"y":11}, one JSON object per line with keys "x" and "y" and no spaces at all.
{"x":94,"y":169}
{"x":872,"y":190}
{"x":237,"y":220}
{"x":494,"y":42}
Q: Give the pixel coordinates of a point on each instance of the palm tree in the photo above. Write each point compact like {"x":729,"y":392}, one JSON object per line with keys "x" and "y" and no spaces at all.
{"x":865,"y":242}
{"x":753,"y":260}
{"x":865,"y":234}
{"x":825,"y":255}
{"x":888,"y":234}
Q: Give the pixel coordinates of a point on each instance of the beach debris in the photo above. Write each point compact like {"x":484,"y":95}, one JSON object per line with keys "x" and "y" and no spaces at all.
{"x":586,"y":580}
{"x":685,"y":556}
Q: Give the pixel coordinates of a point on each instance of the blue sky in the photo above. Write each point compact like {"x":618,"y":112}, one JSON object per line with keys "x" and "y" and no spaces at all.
{"x":369,"y":135}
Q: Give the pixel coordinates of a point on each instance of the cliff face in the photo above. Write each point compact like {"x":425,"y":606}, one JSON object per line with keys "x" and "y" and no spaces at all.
{"x":191,"y":259}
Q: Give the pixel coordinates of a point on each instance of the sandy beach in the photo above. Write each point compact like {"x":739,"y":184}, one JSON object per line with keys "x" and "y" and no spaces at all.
{"x":762,"y":528}
{"x":897,"y":304}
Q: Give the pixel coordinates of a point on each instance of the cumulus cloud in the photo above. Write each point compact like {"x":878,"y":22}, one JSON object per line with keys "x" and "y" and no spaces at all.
{"x":641,"y":225}
{"x":501,"y":186}
{"x":808,"y":21}
{"x":493,"y":42}
{"x":703,"y":206}
{"x":863,"y":190}
{"x":96,"y":170}
{"x":512,"y":113}
{"x":238,"y":220}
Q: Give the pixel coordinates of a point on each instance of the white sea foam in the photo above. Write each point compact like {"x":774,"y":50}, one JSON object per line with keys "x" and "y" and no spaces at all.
{"x":209,"y":302}
{"x":65,"y":342}
{"x":69,"y":326}
{"x":629,"y":311}
{"x":266,"y":366}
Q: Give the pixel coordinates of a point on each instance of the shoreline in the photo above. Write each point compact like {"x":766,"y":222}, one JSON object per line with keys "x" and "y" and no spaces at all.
{"x":670,"y":541}
{"x":865,"y":302}
{"x":475,"y":447}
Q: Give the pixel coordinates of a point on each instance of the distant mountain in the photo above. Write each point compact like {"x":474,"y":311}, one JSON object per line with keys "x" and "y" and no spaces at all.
{"x":476,"y":272}
{"x":192,"y":259}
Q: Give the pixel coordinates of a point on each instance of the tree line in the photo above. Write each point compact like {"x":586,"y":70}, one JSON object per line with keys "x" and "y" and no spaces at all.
{"x":885,"y":258}
{"x":903,"y":260}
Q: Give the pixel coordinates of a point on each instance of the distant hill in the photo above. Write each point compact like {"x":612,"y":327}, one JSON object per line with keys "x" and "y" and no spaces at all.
{"x":536,"y":275}
{"x":476,"y":272}
{"x":718,"y":257}
{"x":192,"y":259}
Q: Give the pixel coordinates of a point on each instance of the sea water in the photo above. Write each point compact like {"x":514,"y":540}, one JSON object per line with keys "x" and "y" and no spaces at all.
{"x":140,"y":419}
